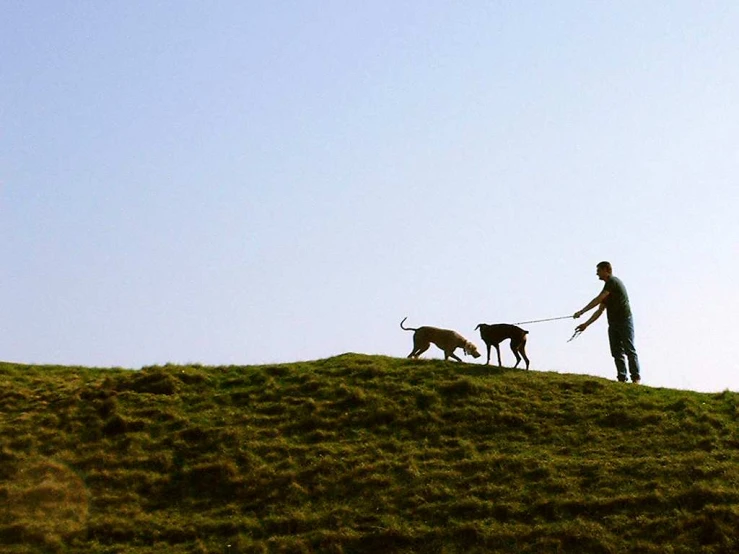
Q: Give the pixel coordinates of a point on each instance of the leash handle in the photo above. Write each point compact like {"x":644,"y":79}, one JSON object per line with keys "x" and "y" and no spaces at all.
{"x":543,"y":320}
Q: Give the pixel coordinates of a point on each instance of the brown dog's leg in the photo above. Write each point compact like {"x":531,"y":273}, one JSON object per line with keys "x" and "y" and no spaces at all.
{"x":488,"y":362}
{"x":417,"y":352}
{"x":418,"y":349}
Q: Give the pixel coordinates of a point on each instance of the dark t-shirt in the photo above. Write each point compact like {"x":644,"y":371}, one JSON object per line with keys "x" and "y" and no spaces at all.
{"x":617,"y":303}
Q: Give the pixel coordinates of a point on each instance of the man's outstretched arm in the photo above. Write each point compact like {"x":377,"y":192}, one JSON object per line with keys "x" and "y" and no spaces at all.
{"x":580,"y":328}
{"x":597,"y":301}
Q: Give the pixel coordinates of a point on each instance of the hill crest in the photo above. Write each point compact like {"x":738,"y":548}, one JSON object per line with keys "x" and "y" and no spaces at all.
{"x":360,"y":453}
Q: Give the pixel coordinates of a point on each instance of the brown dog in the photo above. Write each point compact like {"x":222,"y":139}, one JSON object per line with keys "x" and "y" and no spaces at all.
{"x":445,"y":339}
{"x":495,"y":334}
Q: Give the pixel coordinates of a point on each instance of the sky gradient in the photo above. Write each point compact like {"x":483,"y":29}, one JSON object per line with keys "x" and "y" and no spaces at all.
{"x":262,"y":182}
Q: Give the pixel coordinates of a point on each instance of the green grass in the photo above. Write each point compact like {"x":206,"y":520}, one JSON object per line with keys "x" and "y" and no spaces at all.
{"x":361,"y":454}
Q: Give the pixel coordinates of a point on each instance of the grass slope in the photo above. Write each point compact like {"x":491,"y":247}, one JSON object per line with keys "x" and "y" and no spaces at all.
{"x":361,"y":454}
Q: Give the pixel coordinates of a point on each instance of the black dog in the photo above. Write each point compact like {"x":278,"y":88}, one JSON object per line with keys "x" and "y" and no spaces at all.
{"x":495,"y":334}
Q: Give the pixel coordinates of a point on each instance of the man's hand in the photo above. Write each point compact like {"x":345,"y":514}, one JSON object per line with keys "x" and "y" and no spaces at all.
{"x":577,"y":314}
{"x":580,"y":328}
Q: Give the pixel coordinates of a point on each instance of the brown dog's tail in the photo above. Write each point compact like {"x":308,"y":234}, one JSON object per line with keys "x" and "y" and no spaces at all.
{"x":406,"y":328}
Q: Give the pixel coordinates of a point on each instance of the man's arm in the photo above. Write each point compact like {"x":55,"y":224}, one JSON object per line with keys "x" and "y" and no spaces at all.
{"x":597,"y":301}
{"x":580,"y":328}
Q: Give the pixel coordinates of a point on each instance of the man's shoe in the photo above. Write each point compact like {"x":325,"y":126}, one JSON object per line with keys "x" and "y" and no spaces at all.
{"x":636,"y":381}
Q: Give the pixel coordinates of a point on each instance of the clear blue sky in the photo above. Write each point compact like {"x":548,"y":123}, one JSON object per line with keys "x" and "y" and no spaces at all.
{"x":255,"y":182}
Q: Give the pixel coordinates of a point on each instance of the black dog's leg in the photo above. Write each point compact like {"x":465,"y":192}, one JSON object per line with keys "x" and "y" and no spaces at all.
{"x":520,"y":346}
{"x":497,"y":349}
{"x":514,"y":348}
{"x":523,"y":353}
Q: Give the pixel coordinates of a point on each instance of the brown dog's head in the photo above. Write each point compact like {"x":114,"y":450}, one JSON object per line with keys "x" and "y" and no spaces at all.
{"x":471,"y":350}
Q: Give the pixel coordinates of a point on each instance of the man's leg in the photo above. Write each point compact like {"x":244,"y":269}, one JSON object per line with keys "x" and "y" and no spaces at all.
{"x":617,"y":351}
{"x":630,"y":350}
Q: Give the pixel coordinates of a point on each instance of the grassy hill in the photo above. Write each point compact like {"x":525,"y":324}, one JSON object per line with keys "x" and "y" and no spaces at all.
{"x":361,"y":454}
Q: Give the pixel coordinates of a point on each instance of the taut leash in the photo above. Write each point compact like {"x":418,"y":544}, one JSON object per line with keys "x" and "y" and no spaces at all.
{"x":573,"y":337}
{"x":543,"y":320}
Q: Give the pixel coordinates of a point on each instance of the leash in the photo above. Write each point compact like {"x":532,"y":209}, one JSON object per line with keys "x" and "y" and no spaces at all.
{"x":573,"y":337}
{"x":543,"y":320}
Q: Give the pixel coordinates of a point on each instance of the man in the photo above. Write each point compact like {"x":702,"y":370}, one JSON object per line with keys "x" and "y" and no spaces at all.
{"x":615,"y":301}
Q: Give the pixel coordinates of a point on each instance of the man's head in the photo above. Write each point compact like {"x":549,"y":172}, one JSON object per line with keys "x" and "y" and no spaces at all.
{"x":604,"y":271}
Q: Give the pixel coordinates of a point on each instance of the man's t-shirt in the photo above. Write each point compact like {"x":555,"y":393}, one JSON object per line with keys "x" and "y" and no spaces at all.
{"x":617,"y":303}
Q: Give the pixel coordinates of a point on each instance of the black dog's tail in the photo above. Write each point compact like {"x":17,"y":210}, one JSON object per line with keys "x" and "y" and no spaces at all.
{"x":406,"y":328}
